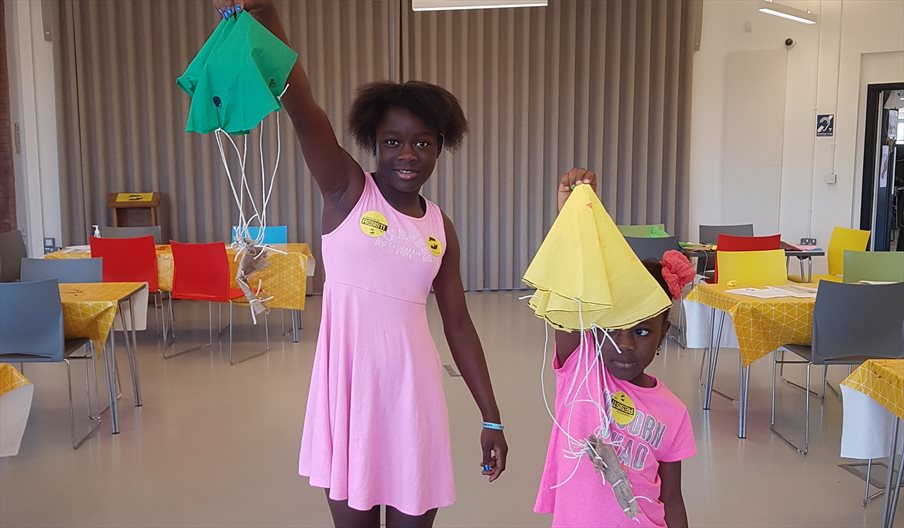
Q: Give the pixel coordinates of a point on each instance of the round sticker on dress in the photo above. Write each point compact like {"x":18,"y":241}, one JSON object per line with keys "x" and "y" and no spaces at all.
{"x":623,"y":410}
{"x":373,"y":224}
{"x":435,"y":246}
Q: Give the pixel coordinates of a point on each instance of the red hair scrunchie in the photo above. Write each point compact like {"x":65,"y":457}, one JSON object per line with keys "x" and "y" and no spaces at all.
{"x":677,"y":272}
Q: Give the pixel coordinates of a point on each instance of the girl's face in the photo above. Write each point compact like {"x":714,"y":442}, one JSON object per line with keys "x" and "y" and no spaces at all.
{"x":638,"y":349}
{"x":407,"y":150}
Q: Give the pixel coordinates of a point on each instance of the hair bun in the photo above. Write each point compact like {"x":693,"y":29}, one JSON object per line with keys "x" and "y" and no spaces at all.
{"x":677,"y":272}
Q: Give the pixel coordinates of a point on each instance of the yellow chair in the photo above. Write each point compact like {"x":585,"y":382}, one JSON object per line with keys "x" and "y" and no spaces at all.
{"x":752,"y":268}
{"x":843,"y":239}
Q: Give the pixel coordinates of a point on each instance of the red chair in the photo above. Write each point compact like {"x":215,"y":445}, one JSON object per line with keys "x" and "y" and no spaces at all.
{"x":127,"y":259}
{"x":201,"y":273}
{"x":745,"y":243}
{"x":130,"y":260}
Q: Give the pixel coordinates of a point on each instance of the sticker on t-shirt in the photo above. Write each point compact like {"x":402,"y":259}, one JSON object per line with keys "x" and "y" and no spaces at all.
{"x":373,"y":224}
{"x":435,"y":246}
{"x":623,"y":409}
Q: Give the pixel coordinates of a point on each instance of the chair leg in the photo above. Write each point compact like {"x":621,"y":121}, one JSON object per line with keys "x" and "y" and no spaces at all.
{"x":172,"y":317}
{"x":199,"y":347}
{"x":266,"y":337}
{"x":95,"y":421}
{"x":157,"y":316}
{"x":807,"y":413}
{"x":806,"y":435}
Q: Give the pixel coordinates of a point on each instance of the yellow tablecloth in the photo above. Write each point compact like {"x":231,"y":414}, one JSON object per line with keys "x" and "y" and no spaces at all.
{"x":89,"y":309}
{"x":881,"y":380}
{"x":11,"y":379}
{"x":284,"y":279}
{"x":16,"y":394}
{"x":762,"y":325}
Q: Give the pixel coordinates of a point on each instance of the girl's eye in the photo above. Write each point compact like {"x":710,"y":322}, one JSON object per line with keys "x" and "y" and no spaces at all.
{"x":391,"y":143}
{"x":422,"y":144}
{"x":642,"y":332}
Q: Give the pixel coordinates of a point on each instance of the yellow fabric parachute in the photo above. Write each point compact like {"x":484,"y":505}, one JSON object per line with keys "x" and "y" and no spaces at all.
{"x":586,"y":275}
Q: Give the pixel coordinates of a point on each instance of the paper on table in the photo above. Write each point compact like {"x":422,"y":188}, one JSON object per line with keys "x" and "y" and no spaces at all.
{"x":773,"y":292}
{"x":76,"y":249}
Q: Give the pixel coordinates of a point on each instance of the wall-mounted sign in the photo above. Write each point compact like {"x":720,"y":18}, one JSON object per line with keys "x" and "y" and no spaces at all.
{"x":825,"y":125}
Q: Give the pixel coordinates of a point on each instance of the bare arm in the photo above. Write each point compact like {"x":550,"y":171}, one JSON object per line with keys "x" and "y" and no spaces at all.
{"x":467,"y":351}
{"x":338,"y":175}
{"x":567,"y":342}
{"x":670,"y":494}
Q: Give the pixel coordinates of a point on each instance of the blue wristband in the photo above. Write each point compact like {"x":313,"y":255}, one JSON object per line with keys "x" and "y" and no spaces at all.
{"x":493,"y":426}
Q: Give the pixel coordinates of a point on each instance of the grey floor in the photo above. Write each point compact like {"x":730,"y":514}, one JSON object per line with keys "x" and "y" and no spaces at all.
{"x":217,"y":445}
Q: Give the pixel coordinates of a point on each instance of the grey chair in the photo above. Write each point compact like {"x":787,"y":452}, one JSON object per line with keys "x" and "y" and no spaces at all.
{"x":31,"y":331}
{"x":63,"y":270}
{"x":132,"y":232}
{"x":12,"y":250}
{"x":851,"y":323}
{"x":646,"y":248}
{"x":709,"y":234}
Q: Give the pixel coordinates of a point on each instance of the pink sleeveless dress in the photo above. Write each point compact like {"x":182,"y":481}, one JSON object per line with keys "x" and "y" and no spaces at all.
{"x":376,"y":431}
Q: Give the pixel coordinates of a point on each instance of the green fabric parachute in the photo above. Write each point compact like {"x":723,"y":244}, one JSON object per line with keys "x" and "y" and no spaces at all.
{"x":237,"y":77}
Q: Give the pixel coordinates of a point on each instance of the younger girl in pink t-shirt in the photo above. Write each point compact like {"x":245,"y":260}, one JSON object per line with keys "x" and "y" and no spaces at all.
{"x":650,"y":431}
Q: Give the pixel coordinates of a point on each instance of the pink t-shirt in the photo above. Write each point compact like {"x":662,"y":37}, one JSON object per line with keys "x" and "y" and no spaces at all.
{"x":660,"y":431}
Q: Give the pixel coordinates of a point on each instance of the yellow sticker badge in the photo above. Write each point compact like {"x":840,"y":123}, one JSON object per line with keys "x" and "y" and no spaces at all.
{"x":373,"y":224}
{"x":435,"y":246}
{"x":623,"y":409}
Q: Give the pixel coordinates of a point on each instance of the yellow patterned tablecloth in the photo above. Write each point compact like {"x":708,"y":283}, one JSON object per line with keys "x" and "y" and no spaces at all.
{"x":762,"y":325}
{"x":881,"y":380}
{"x":90,"y":308}
{"x":284,"y":279}
{"x":11,"y":379}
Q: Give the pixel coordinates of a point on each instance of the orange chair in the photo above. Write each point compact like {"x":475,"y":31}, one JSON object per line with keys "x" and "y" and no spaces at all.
{"x":745,"y":243}
{"x":201,"y":273}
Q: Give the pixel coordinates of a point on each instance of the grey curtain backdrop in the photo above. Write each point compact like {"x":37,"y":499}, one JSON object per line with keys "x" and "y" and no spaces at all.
{"x":601,"y":84}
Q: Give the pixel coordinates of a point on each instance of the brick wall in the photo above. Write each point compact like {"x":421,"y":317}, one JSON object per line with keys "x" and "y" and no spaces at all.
{"x":7,"y":179}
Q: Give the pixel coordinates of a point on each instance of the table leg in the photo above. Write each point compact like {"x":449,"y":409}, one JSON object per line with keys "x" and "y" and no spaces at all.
{"x":130,"y":351}
{"x":294,"y":324}
{"x":809,"y":269}
{"x":744,"y":376}
{"x":803,"y":275}
{"x":891,"y":485}
{"x":135,"y":376}
{"x":110,"y":365}
{"x":714,"y":344}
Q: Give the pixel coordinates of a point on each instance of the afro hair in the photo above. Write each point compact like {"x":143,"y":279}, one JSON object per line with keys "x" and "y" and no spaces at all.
{"x":436,"y":106}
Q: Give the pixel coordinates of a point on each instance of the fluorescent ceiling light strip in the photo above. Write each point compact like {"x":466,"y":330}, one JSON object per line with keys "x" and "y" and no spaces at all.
{"x":786,"y":15}
{"x":539,"y":3}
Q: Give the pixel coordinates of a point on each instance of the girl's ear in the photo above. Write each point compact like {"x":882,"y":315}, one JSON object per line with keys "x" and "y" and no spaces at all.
{"x":666,"y":325}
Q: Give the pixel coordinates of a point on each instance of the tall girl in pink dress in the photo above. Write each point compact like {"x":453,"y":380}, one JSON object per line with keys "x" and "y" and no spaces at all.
{"x":376,"y":430}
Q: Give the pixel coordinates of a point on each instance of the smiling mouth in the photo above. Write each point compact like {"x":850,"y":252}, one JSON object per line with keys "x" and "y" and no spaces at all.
{"x":407,"y":174}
